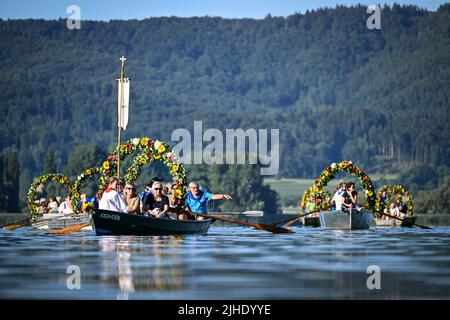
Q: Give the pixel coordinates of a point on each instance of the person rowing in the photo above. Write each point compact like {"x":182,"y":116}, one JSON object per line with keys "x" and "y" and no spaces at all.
{"x":197,"y":200}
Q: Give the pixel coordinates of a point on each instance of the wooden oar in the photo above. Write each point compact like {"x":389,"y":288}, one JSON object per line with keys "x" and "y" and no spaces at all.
{"x":17,"y":224}
{"x":70,"y":229}
{"x":406,"y":222}
{"x":260,"y":226}
{"x":291,"y":221}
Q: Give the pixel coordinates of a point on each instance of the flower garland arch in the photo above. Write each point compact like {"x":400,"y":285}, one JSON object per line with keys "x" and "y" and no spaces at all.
{"x":390,"y":191}
{"x":31,"y":196}
{"x":319,"y":202}
{"x":78,"y":185}
{"x":347,"y":166}
{"x":151,"y":150}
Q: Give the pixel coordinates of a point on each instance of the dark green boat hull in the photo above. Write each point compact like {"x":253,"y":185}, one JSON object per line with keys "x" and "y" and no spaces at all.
{"x":107,"y":222}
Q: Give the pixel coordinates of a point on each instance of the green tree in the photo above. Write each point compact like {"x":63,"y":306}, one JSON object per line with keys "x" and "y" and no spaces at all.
{"x":3,"y":191}
{"x":25,"y":183}
{"x":436,"y":200}
{"x":49,"y":162}
{"x":84,"y":157}
{"x":12,"y":182}
{"x":243,"y":182}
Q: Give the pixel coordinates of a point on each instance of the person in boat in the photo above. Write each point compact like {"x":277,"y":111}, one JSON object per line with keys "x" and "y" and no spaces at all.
{"x":42,"y":206}
{"x":197,"y":200}
{"x":350,"y":197}
{"x":120,"y":187}
{"x":82,"y":202}
{"x":110,"y":199}
{"x":158,"y":204}
{"x":383,"y":205}
{"x":172,"y":197}
{"x":311,"y":205}
{"x":66,"y":206}
{"x":337,"y":197}
{"x":52,"y":205}
{"x":403,"y":210}
{"x":144,"y":194}
{"x":393,"y":210}
{"x":132,"y":199}
{"x":165,"y":190}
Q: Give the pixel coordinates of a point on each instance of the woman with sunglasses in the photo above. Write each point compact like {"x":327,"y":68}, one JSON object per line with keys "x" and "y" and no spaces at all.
{"x":157,"y":203}
{"x":132,"y":199}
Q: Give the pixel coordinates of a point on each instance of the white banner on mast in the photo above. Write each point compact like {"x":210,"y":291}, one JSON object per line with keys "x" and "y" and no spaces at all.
{"x":125,"y":103}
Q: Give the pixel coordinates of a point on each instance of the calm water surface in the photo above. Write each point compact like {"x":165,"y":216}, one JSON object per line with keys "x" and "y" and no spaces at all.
{"x":228,"y":263}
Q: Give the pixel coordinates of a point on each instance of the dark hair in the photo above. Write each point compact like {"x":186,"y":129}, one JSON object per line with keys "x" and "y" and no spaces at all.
{"x":155,"y":179}
{"x":100,"y":194}
{"x":349,"y":184}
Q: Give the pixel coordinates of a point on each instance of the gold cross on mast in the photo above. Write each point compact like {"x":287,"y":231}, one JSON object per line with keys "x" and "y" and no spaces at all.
{"x":122,"y":59}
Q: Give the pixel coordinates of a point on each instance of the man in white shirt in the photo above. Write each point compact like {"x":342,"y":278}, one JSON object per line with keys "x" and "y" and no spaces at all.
{"x":111,"y":200}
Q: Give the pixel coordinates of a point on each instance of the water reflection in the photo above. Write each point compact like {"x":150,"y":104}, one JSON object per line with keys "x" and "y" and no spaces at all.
{"x":229,"y":263}
{"x":142,"y":263}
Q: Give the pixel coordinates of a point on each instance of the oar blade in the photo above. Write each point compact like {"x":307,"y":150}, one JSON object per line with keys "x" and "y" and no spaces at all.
{"x":70,"y":229}
{"x":16,"y":226}
{"x":271,"y":228}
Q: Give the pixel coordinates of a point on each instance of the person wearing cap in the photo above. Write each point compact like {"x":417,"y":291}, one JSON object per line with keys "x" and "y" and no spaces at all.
{"x":132,"y":199}
{"x":111,"y":200}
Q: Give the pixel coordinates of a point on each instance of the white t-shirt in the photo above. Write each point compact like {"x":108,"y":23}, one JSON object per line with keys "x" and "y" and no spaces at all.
{"x":64,"y":208}
{"x":111,"y":200}
{"x":337,"y":198}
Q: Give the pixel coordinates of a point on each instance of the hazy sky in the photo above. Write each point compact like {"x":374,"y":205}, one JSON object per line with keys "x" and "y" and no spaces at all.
{"x":141,"y":9}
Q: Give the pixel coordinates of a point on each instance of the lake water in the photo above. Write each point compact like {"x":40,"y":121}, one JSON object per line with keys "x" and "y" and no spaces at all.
{"x":228,"y":263}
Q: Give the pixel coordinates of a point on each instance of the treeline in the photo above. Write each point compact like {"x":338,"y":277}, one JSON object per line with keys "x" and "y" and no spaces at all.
{"x":335,"y":89}
{"x":9,"y":182}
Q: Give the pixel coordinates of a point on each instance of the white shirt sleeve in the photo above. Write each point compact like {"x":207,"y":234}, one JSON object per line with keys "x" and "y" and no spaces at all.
{"x":120,"y":204}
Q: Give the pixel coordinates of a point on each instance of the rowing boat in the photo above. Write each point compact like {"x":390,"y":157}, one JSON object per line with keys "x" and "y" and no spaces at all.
{"x":346,"y":221}
{"x":407,"y":222}
{"x":56,"y":221}
{"x":312,"y":222}
{"x":106,"y":222}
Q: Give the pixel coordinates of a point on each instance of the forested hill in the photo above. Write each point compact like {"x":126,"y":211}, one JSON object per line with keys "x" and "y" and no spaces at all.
{"x":334,"y":88}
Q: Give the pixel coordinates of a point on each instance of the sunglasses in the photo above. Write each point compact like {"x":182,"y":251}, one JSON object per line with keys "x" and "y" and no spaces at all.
{"x":131,"y":188}
{"x":157,"y":189}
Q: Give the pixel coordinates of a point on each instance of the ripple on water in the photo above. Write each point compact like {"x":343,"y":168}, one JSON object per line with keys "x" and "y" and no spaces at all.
{"x":228,"y":263}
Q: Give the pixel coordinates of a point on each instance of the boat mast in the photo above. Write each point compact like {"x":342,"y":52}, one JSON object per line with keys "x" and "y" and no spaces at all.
{"x":122,"y":59}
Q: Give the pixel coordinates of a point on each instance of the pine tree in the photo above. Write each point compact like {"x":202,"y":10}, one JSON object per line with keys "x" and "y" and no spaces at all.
{"x":49,"y":162}
{"x":2,"y":185}
{"x":12,"y":182}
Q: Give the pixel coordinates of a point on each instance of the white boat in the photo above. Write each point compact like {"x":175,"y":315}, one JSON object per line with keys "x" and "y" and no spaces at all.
{"x":407,"y":222}
{"x":58,"y":221}
{"x":340,"y":220}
